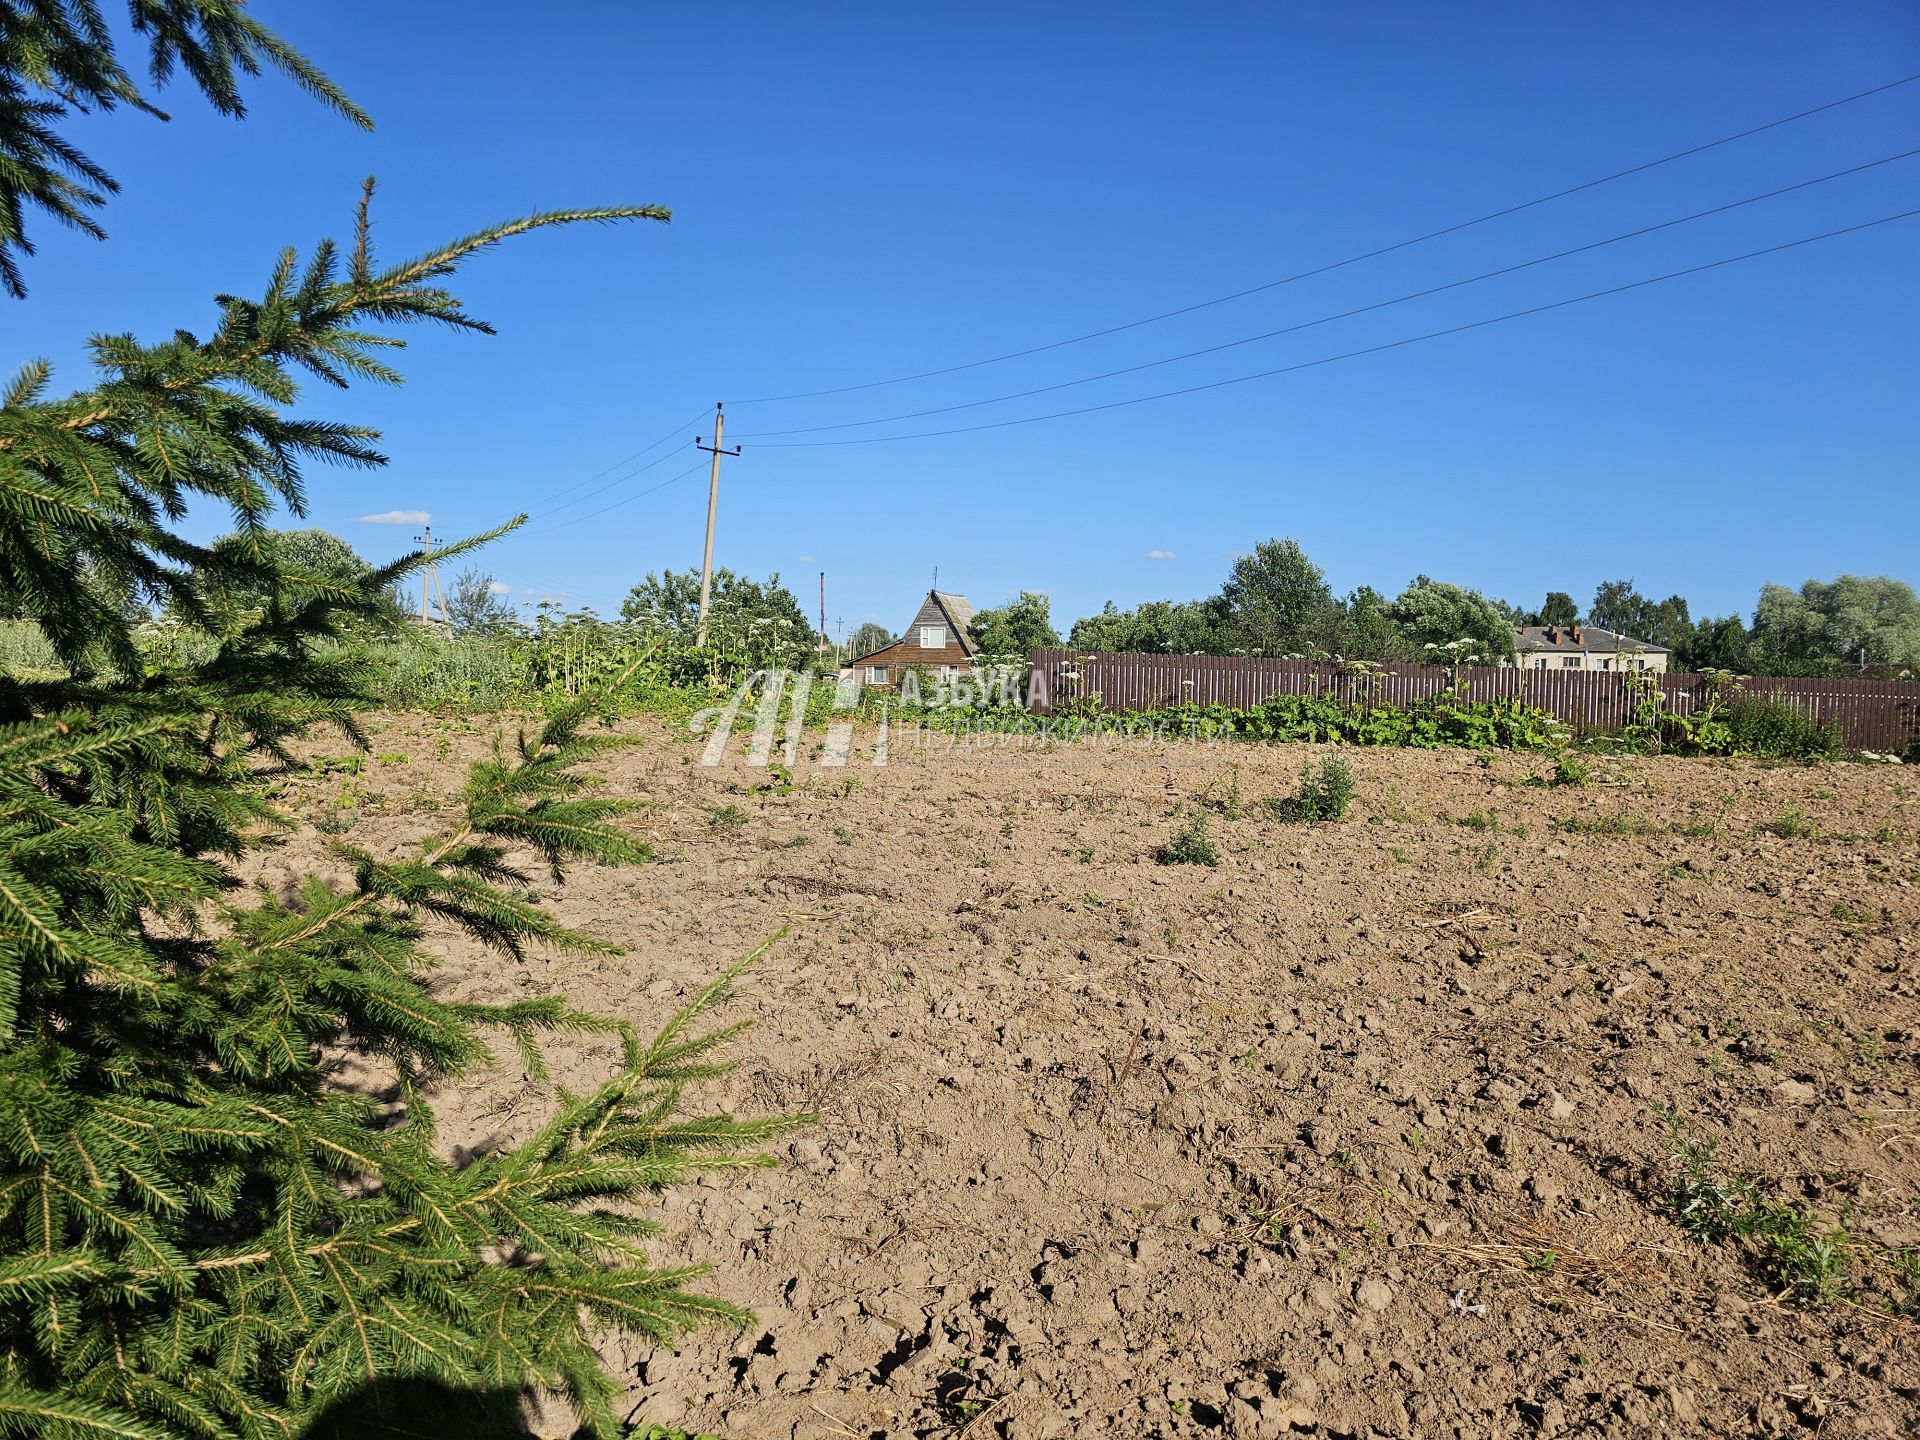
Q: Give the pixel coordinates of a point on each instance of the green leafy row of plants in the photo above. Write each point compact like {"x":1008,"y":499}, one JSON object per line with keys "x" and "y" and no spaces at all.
{"x":1443,"y":721}
{"x":1733,"y":721}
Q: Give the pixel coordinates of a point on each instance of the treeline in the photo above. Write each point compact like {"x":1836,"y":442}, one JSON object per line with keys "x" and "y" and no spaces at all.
{"x":485,"y":649}
{"x":1275,"y":601}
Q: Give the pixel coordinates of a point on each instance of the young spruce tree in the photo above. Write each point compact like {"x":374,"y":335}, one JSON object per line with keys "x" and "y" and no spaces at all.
{"x":201,"y":1232}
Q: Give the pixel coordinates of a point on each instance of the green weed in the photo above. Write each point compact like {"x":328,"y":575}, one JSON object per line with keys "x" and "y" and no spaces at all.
{"x":1792,"y":825}
{"x":1190,"y":844}
{"x":1325,"y":793}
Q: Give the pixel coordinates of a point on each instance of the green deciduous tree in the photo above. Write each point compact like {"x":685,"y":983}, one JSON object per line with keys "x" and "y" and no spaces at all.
{"x":1716,"y":644}
{"x":1619,"y":607}
{"x":1277,"y":601}
{"x":1434,"y":614}
{"x":1371,"y":632}
{"x":871,"y":636}
{"x":1558,"y":609}
{"x":1837,"y":625}
{"x":1017,"y":628}
{"x":1159,"y":627}
{"x":751,"y":623}
{"x":317,"y":554}
{"x":202,"y":1231}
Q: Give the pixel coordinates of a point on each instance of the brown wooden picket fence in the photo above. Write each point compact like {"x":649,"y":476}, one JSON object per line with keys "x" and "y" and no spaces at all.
{"x":1881,"y":715}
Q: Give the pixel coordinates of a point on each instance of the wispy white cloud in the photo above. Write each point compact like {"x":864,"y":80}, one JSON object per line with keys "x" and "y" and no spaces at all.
{"x":806,"y":560}
{"x":1161,"y":555}
{"x":396,"y":517}
{"x":496,"y":587}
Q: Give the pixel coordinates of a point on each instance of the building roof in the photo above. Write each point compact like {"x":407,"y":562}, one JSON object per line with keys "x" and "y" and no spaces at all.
{"x":1578,"y":640}
{"x":959,"y":615}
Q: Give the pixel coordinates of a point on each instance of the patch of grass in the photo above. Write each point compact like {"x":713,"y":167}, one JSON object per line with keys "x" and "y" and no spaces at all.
{"x":1479,"y":820}
{"x":1190,"y":844}
{"x":1791,"y":824}
{"x":1395,"y":809}
{"x":1222,"y":795}
{"x":1621,"y":822}
{"x":726,"y":817}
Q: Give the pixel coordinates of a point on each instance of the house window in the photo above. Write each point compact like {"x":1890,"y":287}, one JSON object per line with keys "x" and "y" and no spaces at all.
{"x":1639,"y":664}
{"x":933,"y":637}
{"x":946,"y":672}
{"x":876,"y":674}
{"x":1541,"y":663}
{"x":1570,"y":662}
{"x":1604,"y":664}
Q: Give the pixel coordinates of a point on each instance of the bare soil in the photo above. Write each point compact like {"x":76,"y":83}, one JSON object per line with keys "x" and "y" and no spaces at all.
{"x":1357,"y":1133}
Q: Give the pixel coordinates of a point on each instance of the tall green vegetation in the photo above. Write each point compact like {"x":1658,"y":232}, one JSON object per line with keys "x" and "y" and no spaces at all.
{"x":1016,"y":628}
{"x":203,"y":1231}
{"x":1833,"y":626}
{"x":751,"y":624}
{"x":1275,"y":601}
{"x":1162,"y":627}
{"x":1434,"y":615}
{"x":868,"y":637}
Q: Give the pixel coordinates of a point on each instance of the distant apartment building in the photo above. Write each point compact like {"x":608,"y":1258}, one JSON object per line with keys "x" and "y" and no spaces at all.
{"x":1585,"y":647}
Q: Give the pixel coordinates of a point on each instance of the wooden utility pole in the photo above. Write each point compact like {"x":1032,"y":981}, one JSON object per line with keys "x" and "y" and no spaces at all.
{"x":823,"y":611}
{"x":717,"y":449}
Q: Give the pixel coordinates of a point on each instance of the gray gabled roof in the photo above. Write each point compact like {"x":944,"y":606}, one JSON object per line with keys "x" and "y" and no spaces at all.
{"x":959,"y":614}
{"x":1559,"y":640}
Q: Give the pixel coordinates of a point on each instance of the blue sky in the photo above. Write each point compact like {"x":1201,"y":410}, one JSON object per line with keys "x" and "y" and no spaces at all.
{"x":868,"y":190}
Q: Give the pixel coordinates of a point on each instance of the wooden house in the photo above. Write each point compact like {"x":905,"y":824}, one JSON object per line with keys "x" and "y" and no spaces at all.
{"x":936,"y":644}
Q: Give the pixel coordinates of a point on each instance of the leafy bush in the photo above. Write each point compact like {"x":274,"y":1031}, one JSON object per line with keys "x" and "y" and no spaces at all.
{"x":1190,"y":844}
{"x":1324,"y":794}
{"x":1760,"y":726}
{"x":1806,"y":1261}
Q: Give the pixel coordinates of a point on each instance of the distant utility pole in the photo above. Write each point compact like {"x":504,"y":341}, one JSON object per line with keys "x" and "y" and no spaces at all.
{"x":717,"y":449}
{"x":430,"y":577}
{"x":823,"y":610}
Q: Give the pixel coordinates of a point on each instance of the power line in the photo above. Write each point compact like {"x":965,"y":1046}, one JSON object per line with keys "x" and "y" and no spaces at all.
{"x":1350,"y":260}
{"x":1366,"y":350}
{"x":1343,"y":314}
{"x":679,"y":429}
{"x":638,"y":495}
{"x":654,"y":463}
